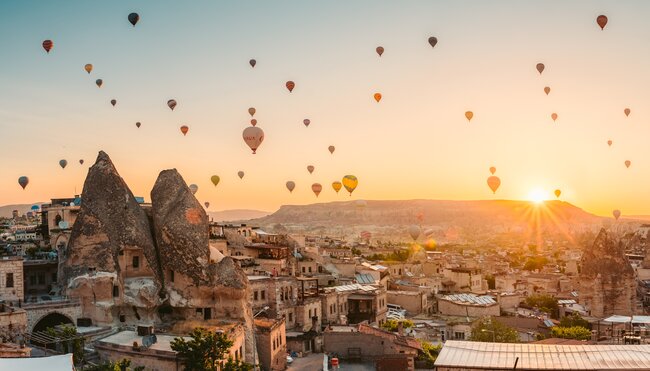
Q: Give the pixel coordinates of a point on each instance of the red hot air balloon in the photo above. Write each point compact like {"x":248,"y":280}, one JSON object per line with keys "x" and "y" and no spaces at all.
{"x":184,"y":129}
{"x":380,"y":50}
{"x":494,"y":182}
{"x":306,"y":122}
{"x":493,"y":170}
{"x":253,"y":136}
{"x":48,"y":45}
{"x":377,"y":97}
{"x":310,"y":168}
{"x":616,"y":213}
{"x":554,"y":116}
{"x":609,"y":142}
{"x":331,"y":149}
{"x":316,"y":188}
{"x":469,"y":115}
{"x":602,"y":21}
{"x":253,"y":122}
{"x":626,"y":112}
{"x":290,"y":85}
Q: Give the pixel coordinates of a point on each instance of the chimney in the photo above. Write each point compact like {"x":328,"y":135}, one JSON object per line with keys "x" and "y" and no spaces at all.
{"x":400,"y":328}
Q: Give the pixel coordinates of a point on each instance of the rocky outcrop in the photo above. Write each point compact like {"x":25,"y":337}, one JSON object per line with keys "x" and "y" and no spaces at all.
{"x":607,"y":280}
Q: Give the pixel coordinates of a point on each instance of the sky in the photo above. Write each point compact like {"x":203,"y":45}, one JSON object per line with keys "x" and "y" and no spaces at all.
{"x":414,"y":144}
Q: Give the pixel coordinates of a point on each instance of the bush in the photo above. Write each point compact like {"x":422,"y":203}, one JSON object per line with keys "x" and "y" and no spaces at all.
{"x":575,"y":332}
{"x":391,"y":324}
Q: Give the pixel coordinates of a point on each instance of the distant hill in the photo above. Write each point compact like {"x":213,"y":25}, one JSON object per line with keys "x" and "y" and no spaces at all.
{"x":236,"y":215}
{"x":5,"y":211}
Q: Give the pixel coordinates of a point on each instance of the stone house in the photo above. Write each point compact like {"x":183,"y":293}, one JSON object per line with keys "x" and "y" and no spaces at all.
{"x":11,"y":278}
{"x":271,"y":338}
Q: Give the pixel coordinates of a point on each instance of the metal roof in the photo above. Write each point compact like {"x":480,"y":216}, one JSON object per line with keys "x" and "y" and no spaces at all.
{"x":466,"y":354}
{"x":354,"y":287}
{"x":470,"y":299}
{"x":365,"y":278}
{"x":567,"y":301}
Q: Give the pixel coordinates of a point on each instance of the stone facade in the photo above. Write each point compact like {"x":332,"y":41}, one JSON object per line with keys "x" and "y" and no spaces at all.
{"x":11,"y":278}
{"x":13,"y":323}
{"x":271,"y":339}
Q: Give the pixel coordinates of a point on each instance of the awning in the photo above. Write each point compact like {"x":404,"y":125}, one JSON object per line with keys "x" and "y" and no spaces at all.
{"x":618,"y":319}
{"x":53,"y":363}
{"x":641,"y":319}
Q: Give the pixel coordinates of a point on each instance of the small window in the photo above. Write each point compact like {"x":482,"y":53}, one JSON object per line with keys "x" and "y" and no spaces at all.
{"x":32,"y":280}
{"x":303,"y":269}
{"x":136,"y":262}
{"x":41,"y":279}
{"x":309,"y":269}
{"x":290,"y":317}
{"x":171,"y":276}
{"x":255,"y":295}
{"x":116,"y":291}
{"x":263,"y":294}
{"x":10,"y":280}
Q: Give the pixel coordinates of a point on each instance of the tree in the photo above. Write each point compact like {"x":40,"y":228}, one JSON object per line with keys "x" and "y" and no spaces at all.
{"x":122,"y":365}
{"x":575,"y":320}
{"x":488,"y":330}
{"x":205,"y":351}
{"x":545,"y":303}
{"x":74,"y":346}
{"x":535,"y":263}
{"x":575,"y":332}
{"x":391,"y":324}
{"x":429,"y":353}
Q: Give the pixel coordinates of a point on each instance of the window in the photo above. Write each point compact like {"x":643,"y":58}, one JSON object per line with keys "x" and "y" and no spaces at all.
{"x":10,"y":280}
{"x":54,"y":277}
{"x":459,"y":335}
{"x":116,"y":291}
{"x":290,"y":317}
{"x":171,"y":276}
{"x":32,"y":280}
{"x":41,"y":279}
{"x":255,"y":295}
{"x":310,"y":312}
{"x":303,"y":269}
{"x":263,"y":294}
{"x":281,"y":295}
{"x":136,"y":262}
{"x":309,"y":269}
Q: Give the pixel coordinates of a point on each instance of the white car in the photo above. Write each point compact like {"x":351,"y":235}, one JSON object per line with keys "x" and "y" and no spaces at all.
{"x":289,"y":359}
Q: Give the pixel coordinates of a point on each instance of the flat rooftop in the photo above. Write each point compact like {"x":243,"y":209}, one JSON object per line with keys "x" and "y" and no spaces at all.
{"x":126,"y":338}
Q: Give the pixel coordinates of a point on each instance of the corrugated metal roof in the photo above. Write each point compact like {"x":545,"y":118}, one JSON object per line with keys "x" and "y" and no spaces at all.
{"x":365,"y":278}
{"x":354,"y":287}
{"x":566,"y":301}
{"x":470,"y":299}
{"x":466,"y":354}
{"x":618,"y":319}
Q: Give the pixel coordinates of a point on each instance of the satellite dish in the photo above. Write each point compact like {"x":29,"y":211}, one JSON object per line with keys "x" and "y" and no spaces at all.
{"x":63,"y":225}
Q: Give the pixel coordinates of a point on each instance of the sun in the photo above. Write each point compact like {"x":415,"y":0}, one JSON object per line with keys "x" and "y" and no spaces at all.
{"x":537,"y":196}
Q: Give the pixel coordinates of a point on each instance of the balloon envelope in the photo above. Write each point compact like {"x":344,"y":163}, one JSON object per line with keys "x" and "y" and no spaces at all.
{"x":310,"y":168}
{"x":494,"y":182}
{"x":602,"y":21}
{"x":133,"y":18}
{"x":628,"y":163}
{"x":626,"y":111}
{"x":433,"y":41}
{"x":240,"y":174}
{"x":23,"y":181}
{"x":252,"y":62}
{"x":337,"y":186}
{"x":306,"y":122}
{"x":253,"y":122}
{"x":554,"y":116}
{"x":171,"y":104}
{"x":557,"y":193}
{"x":207,"y":204}
{"x":350,"y":183}
{"x":316,"y":188}
{"x":215,"y":179}
{"x":617,"y":214}
{"x":609,"y":143}
{"x":253,"y":136}
{"x":194,"y":188}
{"x":377,"y":97}
{"x":63,"y":163}
{"x":99,"y":82}
{"x":493,"y":170}
{"x":547,"y":90}
{"x":414,"y":232}
{"x":251,"y":111}
{"x":380,"y":50}
{"x":113,"y":102}
{"x":88,"y":67}
{"x":290,"y":85}
{"x":138,"y":124}
{"x":81,"y":162}
{"x":331,"y":149}
{"x":184,"y":129}
{"x":469,"y":115}
{"x":290,"y":186}
{"x":540,"y":67}
{"x":48,"y":45}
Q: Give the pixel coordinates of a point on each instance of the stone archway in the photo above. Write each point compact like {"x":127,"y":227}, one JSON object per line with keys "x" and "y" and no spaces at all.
{"x":52,"y":319}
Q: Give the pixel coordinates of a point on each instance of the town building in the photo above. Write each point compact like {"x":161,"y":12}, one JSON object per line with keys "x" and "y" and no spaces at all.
{"x":271,"y":339}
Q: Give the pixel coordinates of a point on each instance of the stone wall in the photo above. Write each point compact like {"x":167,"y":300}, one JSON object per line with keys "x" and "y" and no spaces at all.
{"x":36,"y":312}
{"x":11,"y":266}
{"x":13,"y":322}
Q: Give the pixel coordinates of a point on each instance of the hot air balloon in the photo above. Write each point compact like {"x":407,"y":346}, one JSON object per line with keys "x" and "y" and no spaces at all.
{"x":380,"y":50}
{"x":184,"y":129}
{"x":63,"y":163}
{"x":88,"y":67}
{"x":48,"y":45}
{"x":134,"y":18}
{"x":414,"y":232}
{"x":331,"y":149}
{"x":350,"y":183}
{"x":215,"y":179}
{"x":81,"y":162}
{"x":251,"y":111}
{"x":99,"y":82}
{"x":377,"y":97}
{"x":365,"y":235}
{"x":554,"y":116}
{"x":194,"y":188}
{"x":428,"y":232}
{"x":493,"y":170}
{"x":207,"y":204}
{"x":290,"y":85}
{"x":609,"y":143}
{"x":626,"y":111}
{"x":310,"y":168}
{"x":35,"y":207}
{"x":138,"y":124}
{"x":433,"y":41}
{"x":291,"y":185}
{"x":547,"y":90}
{"x":557,"y":193}
{"x":306,"y":122}
{"x":628,"y":163}
{"x":252,"y":62}
{"x":171,"y":104}
{"x":616,"y":213}
{"x":540,"y":67}
{"x":23,"y":181}
{"x":316,"y":188}
{"x":494,"y":182}
{"x":240,"y":174}
{"x":337,"y":186}
{"x":469,"y":115}
{"x":602,"y":21}
{"x":113,"y":102}
{"x":253,"y":136}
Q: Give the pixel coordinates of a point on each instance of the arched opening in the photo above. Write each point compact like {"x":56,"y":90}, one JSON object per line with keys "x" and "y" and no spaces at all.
{"x":50,"y":321}
{"x":57,"y":220}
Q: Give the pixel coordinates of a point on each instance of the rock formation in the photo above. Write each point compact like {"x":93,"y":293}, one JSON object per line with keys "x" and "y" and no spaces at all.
{"x":607,"y":280}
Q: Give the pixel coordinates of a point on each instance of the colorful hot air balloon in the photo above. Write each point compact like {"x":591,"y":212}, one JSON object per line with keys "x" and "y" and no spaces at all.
{"x":240,"y":174}
{"x":113,"y":102}
{"x":554,"y":116}
{"x":253,"y":136}
{"x":628,"y":163}
{"x":433,"y":41}
{"x":380,"y":50}
{"x":133,"y":18}
{"x":350,"y":183}
{"x":194,"y":188}
{"x":557,"y":193}
{"x":469,"y":115}
{"x":171,"y":104}
{"x":602,"y":21}
{"x":207,"y":204}
{"x":609,"y":142}
{"x":290,"y":85}
{"x":316,"y":188}
{"x":306,"y":122}
{"x":215,"y":179}
{"x":626,"y":111}
{"x":616,"y":213}
{"x":48,"y":45}
{"x":251,"y":111}
{"x":81,"y":162}
{"x":337,"y":186}
{"x":494,"y":182}
{"x":252,"y":62}
{"x":290,"y":186}
{"x":63,"y":163}
{"x":331,"y":149}
{"x":99,"y":83}
{"x":414,"y":232}
{"x":547,"y":90}
{"x":184,"y":129}
{"x":23,"y":181}
{"x":493,"y":170}
{"x":138,"y":124}
{"x":310,"y":168}
{"x":377,"y":97}
{"x":88,"y":67}
{"x":253,"y":122}
{"x":540,"y":67}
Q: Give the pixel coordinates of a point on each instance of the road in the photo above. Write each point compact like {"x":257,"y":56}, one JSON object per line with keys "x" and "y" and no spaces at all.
{"x":314,"y":362}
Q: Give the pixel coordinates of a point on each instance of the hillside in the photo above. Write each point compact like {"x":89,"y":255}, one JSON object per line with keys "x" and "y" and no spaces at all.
{"x":236,"y":215}
{"x":6,"y":210}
